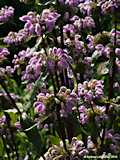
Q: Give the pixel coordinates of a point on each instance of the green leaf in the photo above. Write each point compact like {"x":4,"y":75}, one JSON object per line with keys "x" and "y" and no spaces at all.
{"x":54,"y":140}
{"x":32,"y":134}
{"x":39,"y":83}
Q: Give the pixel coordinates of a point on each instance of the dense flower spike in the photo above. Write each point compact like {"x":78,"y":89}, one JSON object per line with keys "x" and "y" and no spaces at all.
{"x":6,"y":13}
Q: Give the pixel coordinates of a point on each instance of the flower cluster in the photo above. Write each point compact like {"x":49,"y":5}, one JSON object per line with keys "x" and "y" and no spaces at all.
{"x":69,"y":98}
{"x":49,"y":18}
{"x":86,"y":7}
{"x":33,"y":69}
{"x":114,"y":138}
{"x":112,"y":34}
{"x":58,"y":59}
{"x":83,"y":114}
{"x":83,"y":23}
{"x":109,"y":6}
{"x":35,"y":23}
{"x":28,"y":63}
{"x":91,"y":90}
{"x":6,"y":13}
{"x":3,"y":53}
{"x":71,"y":3}
{"x":16,"y":38}
{"x":100,"y":50}
{"x":76,"y":148}
{"x":22,"y":57}
{"x":32,"y":23}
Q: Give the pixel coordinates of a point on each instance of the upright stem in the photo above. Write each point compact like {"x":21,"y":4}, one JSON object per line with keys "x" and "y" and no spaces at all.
{"x":11,"y":99}
{"x":61,"y":126}
{"x":112,"y":74}
{"x":66,"y":77}
{"x":62,"y":37}
{"x":111,"y":79}
{"x":112,"y":69}
{"x":12,"y":136}
{"x":5,"y":146}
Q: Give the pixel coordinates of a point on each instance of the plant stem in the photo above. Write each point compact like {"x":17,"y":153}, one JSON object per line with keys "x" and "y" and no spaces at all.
{"x":62,"y":37}
{"x":111,"y":79}
{"x":10,"y":97}
{"x":61,"y":126}
{"x":12,"y":135}
{"x":5,"y":146}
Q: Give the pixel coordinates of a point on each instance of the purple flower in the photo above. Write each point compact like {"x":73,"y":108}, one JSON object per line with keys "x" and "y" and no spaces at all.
{"x":25,"y":18}
{"x":39,"y":107}
{"x":79,"y":45}
{"x":70,"y":102}
{"x":88,"y":22}
{"x":18,"y":125}
{"x":2,"y":120}
{"x":58,"y":58}
{"x":69,"y":28}
{"x":32,"y":23}
{"x":82,"y":109}
{"x":16,"y":38}
{"x":49,"y":18}
{"x":3,"y":53}
{"x":86,"y":8}
{"x":33,"y":68}
{"x":109,"y":6}
{"x":9,"y":70}
{"x":83,"y":118}
{"x":6,"y":13}
{"x":90,"y":90}
{"x":72,"y":3}
{"x":83,"y":152}
{"x":117,"y":52}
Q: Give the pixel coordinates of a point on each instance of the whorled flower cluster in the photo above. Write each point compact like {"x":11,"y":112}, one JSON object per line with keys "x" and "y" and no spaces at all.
{"x":86,"y":7}
{"x":6,"y":13}
{"x":100,"y":50}
{"x":91,"y":90}
{"x":71,"y":3}
{"x":35,"y":23}
{"x":3,"y":53}
{"x":16,"y":38}
{"x":58,"y":59}
{"x":83,"y":23}
{"x":70,"y":100}
{"x":76,"y":149}
{"x":109,"y":6}
{"x":33,"y":69}
{"x":28,"y":63}
{"x":34,"y":26}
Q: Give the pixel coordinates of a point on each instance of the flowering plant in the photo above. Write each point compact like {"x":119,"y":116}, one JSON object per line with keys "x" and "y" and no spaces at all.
{"x":59,"y":79}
